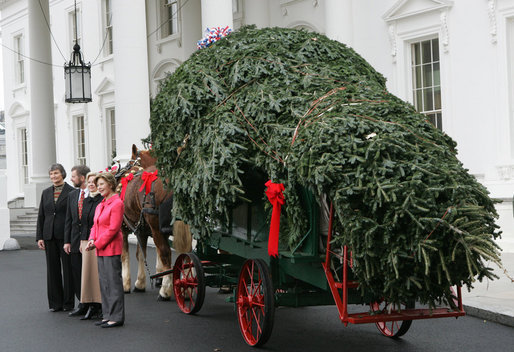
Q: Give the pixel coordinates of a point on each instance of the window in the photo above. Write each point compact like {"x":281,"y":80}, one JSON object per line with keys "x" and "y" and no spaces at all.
{"x":111,"y":134}
{"x":107,"y":10}
{"x":169,"y":17}
{"x":80,"y":140}
{"x":24,"y":156}
{"x":75,"y":28}
{"x":426,"y":80}
{"x":19,"y":59}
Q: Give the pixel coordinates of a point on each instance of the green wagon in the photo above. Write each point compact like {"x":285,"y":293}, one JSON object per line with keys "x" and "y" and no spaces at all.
{"x":311,"y":274}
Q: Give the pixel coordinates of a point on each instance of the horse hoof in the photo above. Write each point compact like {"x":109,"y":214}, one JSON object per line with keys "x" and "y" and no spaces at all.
{"x":138,"y":289}
{"x":126,"y":292}
{"x":163,"y":299}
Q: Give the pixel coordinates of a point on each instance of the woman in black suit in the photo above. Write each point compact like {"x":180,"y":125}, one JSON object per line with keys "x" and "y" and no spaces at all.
{"x":90,"y":285}
{"x":50,"y":237}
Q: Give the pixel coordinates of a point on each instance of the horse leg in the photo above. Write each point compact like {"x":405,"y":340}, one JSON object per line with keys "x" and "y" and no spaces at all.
{"x":140,"y":284}
{"x":182,"y":239}
{"x":125,"y":264}
{"x":158,"y":269}
{"x":164,"y":254}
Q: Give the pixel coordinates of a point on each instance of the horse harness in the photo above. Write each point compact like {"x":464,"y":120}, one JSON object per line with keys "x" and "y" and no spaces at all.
{"x":153,"y":209}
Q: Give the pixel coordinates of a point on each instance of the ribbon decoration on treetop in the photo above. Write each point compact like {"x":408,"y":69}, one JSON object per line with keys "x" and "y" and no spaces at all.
{"x":124,"y":181}
{"x":276,"y":198}
{"x":148,"y":178}
{"x":213,"y":35}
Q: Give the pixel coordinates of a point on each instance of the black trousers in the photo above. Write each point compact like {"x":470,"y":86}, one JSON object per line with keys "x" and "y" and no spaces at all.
{"x":58,"y":275}
{"x":76,"y":272}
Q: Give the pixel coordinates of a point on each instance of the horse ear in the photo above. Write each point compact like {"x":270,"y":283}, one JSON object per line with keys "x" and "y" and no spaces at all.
{"x":134,"y":151}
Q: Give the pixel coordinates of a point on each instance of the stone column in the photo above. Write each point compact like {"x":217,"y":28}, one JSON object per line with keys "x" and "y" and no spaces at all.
{"x":131,"y":77}
{"x":41,"y":127}
{"x":6,"y":242}
{"x":217,"y":13}
{"x":339,"y":20}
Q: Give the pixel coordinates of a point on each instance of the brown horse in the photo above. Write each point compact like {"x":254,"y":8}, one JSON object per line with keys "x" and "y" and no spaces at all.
{"x":135,"y":202}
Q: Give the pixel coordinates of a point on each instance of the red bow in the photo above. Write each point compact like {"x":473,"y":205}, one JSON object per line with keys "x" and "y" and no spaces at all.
{"x":276,"y":198}
{"x":124,"y":181}
{"x":148,"y":178}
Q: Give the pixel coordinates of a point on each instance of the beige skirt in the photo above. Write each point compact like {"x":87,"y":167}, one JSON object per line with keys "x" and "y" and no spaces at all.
{"x":90,"y":284}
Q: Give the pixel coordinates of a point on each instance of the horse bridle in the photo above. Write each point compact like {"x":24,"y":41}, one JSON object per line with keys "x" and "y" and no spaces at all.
{"x":130,"y":164}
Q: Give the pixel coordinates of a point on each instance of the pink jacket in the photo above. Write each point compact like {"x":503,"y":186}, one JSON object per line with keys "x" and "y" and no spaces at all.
{"x":106,"y":230}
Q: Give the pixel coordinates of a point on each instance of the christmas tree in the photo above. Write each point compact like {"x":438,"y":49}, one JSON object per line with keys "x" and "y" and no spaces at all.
{"x":310,"y":112}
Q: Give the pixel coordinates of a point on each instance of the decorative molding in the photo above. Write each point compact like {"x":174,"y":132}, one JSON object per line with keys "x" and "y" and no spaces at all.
{"x":392,"y":41}
{"x":445,"y":36}
{"x":162,"y":68}
{"x":17,"y":110}
{"x":506,"y":172}
{"x":394,"y":13}
{"x":493,"y":25}
{"x":408,"y":9}
{"x":315,"y":3}
{"x":284,"y":11}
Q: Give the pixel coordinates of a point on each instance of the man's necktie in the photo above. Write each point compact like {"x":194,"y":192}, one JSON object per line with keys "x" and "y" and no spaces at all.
{"x":81,"y":201}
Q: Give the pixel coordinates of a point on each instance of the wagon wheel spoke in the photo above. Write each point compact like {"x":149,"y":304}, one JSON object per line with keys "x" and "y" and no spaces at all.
{"x":257,"y":289}
{"x":257,"y":320}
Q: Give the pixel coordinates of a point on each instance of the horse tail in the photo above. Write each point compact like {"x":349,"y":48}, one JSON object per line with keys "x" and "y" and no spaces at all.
{"x":182,"y":239}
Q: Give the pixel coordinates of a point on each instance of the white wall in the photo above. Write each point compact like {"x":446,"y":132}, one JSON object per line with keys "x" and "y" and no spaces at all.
{"x":477,"y":92}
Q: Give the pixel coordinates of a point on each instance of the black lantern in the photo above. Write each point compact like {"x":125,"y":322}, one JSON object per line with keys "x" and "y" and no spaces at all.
{"x":77,"y":75}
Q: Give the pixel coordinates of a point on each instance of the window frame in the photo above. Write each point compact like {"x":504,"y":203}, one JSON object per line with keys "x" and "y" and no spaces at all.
{"x":161,"y":6}
{"x":71,"y":26}
{"x":110,"y":115}
{"x":435,"y":114}
{"x":80,"y":139}
{"x":23,"y":156}
{"x":107,"y":30}
{"x":19,"y":59}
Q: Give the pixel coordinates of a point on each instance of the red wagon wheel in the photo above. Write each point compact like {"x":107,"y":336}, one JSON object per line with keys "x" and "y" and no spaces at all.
{"x":255,"y":302}
{"x":188,"y":283}
{"x":392,"y":329}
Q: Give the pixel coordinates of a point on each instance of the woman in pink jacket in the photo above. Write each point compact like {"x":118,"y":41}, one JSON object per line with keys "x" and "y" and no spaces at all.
{"x":107,"y":238}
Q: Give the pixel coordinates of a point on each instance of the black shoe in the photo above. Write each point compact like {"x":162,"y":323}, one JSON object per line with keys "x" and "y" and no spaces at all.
{"x":91,"y":313}
{"x":101,"y":322}
{"x":78,"y":311}
{"x":107,"y":325}
{"x":67,"y":309}
{"x":55,"y":310}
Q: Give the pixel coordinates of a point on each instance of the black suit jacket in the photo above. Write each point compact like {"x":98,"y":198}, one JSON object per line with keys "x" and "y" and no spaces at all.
{"x":52,"y":215}
{"x":88,"y":214}
{"x":77,"y":229}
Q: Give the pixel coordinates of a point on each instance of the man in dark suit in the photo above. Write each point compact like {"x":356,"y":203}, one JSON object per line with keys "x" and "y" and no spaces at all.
{"x":73,"y":230}
{"x":50,"y":237}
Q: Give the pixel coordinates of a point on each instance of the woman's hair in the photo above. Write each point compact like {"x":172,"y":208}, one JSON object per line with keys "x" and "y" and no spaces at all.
{"x":92,"y":173}
{"x":108,"y":177}
{"x":58,"y":167}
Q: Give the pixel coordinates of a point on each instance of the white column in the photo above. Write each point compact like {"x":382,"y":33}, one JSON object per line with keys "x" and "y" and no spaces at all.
{"x":6,"y":242}
{"x":339,"y":20}
{"x":131,"y":85}
{"x":41,"y":129}
{"x":217,"y":13}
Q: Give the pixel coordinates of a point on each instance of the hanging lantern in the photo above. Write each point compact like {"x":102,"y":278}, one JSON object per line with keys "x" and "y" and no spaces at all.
{"x":77,"y":75}
{"x":77,"y":78}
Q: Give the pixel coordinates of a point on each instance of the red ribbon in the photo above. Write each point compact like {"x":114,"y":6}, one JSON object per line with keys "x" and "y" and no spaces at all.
{"x":276,"y":198}
{"x":148,"y":178}
{"x":124,"y":181}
